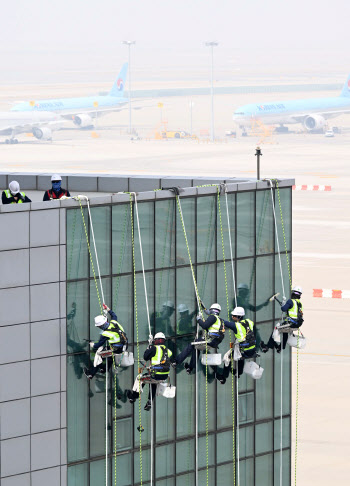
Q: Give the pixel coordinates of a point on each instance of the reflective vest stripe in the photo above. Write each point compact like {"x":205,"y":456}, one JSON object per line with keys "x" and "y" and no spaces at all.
{"x":293,"y":312}
{"x":111,"y":333}
{"x":216,"y":326}
{"x":242,"y":332}
{"x":8,"y":195}
{"x":157,"y":358}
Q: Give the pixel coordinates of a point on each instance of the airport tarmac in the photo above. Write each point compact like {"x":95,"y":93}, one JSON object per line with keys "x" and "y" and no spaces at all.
{"x":321,"y":256}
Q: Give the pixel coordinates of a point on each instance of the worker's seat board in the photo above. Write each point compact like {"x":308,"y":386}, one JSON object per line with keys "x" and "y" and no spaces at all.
{"x":200,"y":345}
{"x":211,"y":359}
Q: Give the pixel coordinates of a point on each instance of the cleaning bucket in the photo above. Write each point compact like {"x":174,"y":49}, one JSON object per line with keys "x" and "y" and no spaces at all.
{"x":253,"y":369}
{"x":165,"y":390}
{"x":127,"y":360}
{"x":211,"y":359}
{"x":293,"y":341}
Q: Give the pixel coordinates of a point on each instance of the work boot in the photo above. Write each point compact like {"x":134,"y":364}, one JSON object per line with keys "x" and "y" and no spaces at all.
{"x":188,"y":368}
{"x":87,"y":374}
{"x":264,"y":348}
{"x":220,"y":378}
{"x":278,"y":347}
{"x":132,"y":395}
{"x":148,"y":405}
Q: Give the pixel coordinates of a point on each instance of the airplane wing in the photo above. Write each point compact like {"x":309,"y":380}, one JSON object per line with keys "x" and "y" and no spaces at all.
{"x":327,"y":114}
{"x":100,"y":111}
{"x":7,"y":128}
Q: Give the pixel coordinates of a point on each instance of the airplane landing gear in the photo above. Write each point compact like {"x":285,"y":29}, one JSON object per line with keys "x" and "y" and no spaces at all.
{"x":11,"y":141}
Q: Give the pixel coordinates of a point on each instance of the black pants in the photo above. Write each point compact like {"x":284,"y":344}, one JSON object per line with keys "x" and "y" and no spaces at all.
{"x":102,"y":367}
{"x":190,"y":349}
{"x":272,"y":344}
{"x":153,"y":387}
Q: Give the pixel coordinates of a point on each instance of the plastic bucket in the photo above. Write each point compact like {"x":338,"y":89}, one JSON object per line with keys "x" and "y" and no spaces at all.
{"x":211,"y":359}
{"x":253,"y":369}
{"x":166,"y":391}
{"x":293,"y":341}
{"x":127,"y":360}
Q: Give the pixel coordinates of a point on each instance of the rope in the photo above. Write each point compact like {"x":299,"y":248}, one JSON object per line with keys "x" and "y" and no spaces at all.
{"x":297,"y":377}
{"x":137,"y":328}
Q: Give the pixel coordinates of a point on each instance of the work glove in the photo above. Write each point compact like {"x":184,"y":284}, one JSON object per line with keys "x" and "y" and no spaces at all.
{"x":91,"y":344}
{"x":105,"y":307}
{"x":199,"y":317}
{"x":150,"y":339}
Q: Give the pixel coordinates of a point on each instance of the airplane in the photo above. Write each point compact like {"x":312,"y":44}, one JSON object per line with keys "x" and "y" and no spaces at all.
{"x":82,"y":110}
{"x":40,"y":124}
{"x":312,"y":113}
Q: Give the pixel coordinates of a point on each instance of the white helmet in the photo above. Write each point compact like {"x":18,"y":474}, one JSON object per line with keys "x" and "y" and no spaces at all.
{"x":159,"y":335}
{"x":297,"y":289}
{"x":216,"y":307}
{"x":243,"y":286}
{"x":100,"y":321}
{"x":182,"y":308}
{"x":238,"y":312}
{"x":14,"y":187}
{"x":56,"y":177}
{"x":168,"y":303}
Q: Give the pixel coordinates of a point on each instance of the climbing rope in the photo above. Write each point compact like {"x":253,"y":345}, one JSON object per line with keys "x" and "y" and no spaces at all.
{"x":297,"y":366}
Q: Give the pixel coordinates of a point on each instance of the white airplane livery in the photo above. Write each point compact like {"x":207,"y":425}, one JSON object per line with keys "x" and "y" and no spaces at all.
{"x":40,"y":124}
{"x":312,"y":113}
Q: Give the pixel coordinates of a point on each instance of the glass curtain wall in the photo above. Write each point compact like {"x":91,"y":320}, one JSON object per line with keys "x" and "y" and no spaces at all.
{"x":173,"y":309}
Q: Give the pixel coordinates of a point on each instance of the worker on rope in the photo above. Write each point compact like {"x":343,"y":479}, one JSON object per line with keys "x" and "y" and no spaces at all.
{"x":159,"y":356}
{"x":162,"y":319}
{"x":243,"y":298}
{"x":215,"y":328}
{"x":113,"y":337}
{"x":12,"y":195}
{"x":56,"y":191}
{"x":292,"y":320}
{"x":185,"y":321}
{"x":246,"y":344}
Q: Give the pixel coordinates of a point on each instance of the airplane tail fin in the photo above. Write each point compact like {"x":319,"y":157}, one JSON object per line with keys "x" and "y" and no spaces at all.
{"x":119,"y":84}
{"x":346,"y":88}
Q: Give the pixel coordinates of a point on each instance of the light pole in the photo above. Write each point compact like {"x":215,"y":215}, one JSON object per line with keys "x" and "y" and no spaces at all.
{"x":129,"y":43}
{"x":212,"y":44}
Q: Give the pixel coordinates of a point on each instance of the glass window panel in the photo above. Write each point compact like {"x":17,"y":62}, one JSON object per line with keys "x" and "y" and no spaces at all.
{"x":264,"y":288}
{"x":123,"y":381}
{"x":166,"y":482}
{"x":206,"y":223}
{"x":246,"y":441}
{"x":165,"y":460}
{"x":143,"y":330}
{"x":205,"y":477}
{"x":95,"y":309}
{"x":286,"y":468}
{"x":123,"y":302}
{"x":122,"y":434}
{"x":246,"y":472}
{"x":185,"y":480}
{"x":146,"y":466}
{"x":245,"y":224}
{"x":206,"y":282}
{"x":77,"y":409}
{"x":77,"y":250}
{"x":188,"y":211}
{"x":202,"y":451}
{"x":185,"y":295}
{"x":146,"y":218}
{"x":122,"y":469}
{"x":98,"y":471}
{"x":164,"y":317}
{"x":97,"y":415}
{"x":264,"y":470}
{"x":165,"y":417}
{"x":206,"y":394}
{"x":224,"y":401}
{"x":246,"y":287}
{"x":263,"y":437}
{"x":246,"y":408}
{"x":231,"y":200}
{"x":145,"y":421}
{"x":101,"y":220}
{"x":185,"y":456}
{"x":246,"y":382}
{"x":224,"y":446}
{"x":278,"y":280}
{"x":264,"y":223}
{"x":285,"y":433}
{"x":286,"y":203}
{"x":121,"y":239}
{"x":224,"y":475}
{"x":165,"y":231}
{"x":264,"y":387}
{"x":77,"y":316}
{"x":78,"y":475}
{"x":185,"y":395}
{"x":285,"y":355}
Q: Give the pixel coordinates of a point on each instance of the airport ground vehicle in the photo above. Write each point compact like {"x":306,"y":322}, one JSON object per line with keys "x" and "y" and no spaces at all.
{"x":329,"y":133}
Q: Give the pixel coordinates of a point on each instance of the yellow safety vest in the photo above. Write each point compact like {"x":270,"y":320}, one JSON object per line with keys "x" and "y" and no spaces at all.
{"x":217,"y":327}
{"x":158,"y":363}
{"x":293,"y":312}
{"x":112,"y":334}
{"x":242,"y":332}
{"x":8,"y":195}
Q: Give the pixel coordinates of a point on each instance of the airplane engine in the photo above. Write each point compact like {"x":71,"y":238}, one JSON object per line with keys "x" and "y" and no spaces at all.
{"x":42,"y":133}
{"x":83,"y":121}
{"x":315,"y":122}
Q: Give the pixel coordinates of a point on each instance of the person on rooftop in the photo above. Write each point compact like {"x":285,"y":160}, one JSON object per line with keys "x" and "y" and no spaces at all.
{"x":56,"y":191}
{"x":13,"y":195}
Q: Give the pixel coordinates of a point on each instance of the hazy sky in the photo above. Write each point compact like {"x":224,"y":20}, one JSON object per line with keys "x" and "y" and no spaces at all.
{"x":39,"y":35}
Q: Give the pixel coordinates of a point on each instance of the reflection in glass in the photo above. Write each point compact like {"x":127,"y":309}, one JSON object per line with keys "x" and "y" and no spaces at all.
{"x":245,"y":224}
{"x":206,"y":222}
{"x":77,"y":250}
{"x":185,"y":296}
{"x":164,"y":317}
{"x":264,"y":470}
{"x":263,"y":437}
{"x":231,"y":200}
{"x":146,"y":218}
{"x":188,"y":210}
{"x":101,"y":219}
{"x":121,"y":238}
{"x":165,"y":460}
{"x":165,"y":233}
{"x":264,"y":223}
{"x":77,"y":316}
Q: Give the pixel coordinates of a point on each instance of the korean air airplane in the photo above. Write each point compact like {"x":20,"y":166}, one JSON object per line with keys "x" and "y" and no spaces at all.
{"x":82,"y":110}
{"x":312,"y":113}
